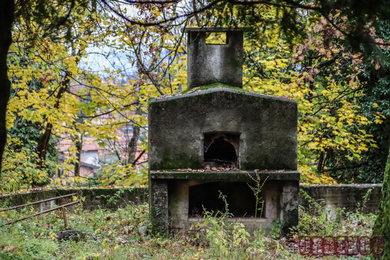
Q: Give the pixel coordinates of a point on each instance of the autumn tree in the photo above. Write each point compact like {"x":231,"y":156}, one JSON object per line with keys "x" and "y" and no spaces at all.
{"x":54,"y":94}
{"x":49,"y":18}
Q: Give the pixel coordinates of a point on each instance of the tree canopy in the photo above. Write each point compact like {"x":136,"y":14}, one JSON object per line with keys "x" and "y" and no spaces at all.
{"x":329,"y":56}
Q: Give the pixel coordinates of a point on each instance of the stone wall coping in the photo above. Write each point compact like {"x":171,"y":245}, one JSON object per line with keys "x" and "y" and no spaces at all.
{"x":225,"y":175}
{"x":338,"y":186}
{"x":61,"y":190}
{"x":94,"y":197}
{"x":220,"y":88}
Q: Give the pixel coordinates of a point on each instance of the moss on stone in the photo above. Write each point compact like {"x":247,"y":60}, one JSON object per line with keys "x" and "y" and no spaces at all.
{"x":215,"y":85}
{"x":170,"y":161}
{"x":158,"y":105}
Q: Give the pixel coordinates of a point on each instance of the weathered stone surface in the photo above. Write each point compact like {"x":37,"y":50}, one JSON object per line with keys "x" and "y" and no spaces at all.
{"x":267,"y":127}
{"x":214,"y":63}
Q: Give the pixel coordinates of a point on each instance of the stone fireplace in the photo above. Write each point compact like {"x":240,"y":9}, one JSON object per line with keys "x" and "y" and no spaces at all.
{"x":219,"y":138}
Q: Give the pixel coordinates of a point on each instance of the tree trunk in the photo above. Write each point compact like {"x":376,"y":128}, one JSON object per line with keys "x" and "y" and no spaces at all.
{"x":320,"y":162}
{"x":44,"y":140}
{"x":7,"y":10}
{"x":79,"y":147}
{"x":43,"y":143}
{"x":382,"y":223}
{"x":133,"y":143}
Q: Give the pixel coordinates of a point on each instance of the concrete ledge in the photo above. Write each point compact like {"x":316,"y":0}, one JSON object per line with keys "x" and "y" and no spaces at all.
{"x":226,"y":175}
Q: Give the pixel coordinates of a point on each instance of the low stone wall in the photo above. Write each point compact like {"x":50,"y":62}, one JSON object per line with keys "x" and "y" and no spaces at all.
{"x":335,"y":196}
{"x":110,"y":198}
{"x":344,"y":196}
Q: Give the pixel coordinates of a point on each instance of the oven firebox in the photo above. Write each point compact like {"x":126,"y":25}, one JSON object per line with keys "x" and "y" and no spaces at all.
{"x":218,"y":140}
{"x":221,"y":149}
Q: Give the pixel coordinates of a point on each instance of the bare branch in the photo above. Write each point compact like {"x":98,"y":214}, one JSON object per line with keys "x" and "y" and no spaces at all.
{"x":188,"y":14}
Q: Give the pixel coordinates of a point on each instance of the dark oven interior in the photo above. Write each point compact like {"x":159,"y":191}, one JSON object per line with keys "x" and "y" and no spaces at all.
{"x":221,"y":149}
{"x":240,"y":199}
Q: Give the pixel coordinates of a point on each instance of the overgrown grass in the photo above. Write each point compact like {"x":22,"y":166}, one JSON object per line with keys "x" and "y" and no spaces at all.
{"x":124,"y":234}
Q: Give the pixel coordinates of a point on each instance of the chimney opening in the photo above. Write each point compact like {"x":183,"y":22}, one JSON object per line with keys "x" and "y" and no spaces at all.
{"x":216,"y":38}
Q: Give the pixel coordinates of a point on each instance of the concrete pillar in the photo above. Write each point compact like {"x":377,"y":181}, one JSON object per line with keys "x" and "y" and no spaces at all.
{"x":178,"y":204}
{"x":159,"y":206}
{"x":272,"y":201}
{"x":289,"y":205}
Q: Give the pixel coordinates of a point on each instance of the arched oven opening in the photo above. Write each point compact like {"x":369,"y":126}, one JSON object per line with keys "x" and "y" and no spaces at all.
{"x":221,"y":150}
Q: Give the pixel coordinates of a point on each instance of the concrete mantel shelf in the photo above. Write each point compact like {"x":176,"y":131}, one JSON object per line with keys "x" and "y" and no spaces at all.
{"x":225,"y":175}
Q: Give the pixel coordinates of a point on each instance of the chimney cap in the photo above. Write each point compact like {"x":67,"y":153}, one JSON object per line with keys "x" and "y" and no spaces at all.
{"x":216,"y":29}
